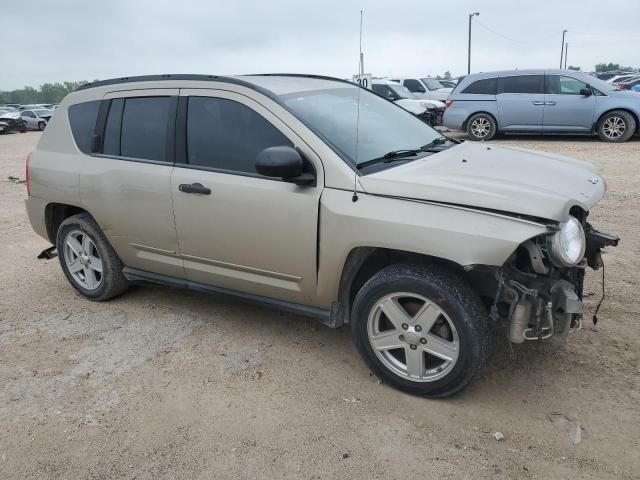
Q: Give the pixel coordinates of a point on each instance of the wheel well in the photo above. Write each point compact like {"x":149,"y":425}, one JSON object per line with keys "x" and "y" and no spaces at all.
{"x":630,"y":112}
{"x":55,"y":214}
{"x":364,"y":262}
{"x":464,"y":125}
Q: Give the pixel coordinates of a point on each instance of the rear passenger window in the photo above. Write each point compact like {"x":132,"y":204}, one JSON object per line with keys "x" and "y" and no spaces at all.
{"x":82,"y":118}
{"x":523,"y":84}
{"x":488,"y":86}
{"x":227,"y":135}
{"x":144,"y":127}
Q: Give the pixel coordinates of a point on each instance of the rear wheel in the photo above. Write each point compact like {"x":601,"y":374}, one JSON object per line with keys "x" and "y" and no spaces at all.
{"x":88,"y":260}
{"x":616,"y":126}
{"x":422,"y":330}
{"x":481,"y":126}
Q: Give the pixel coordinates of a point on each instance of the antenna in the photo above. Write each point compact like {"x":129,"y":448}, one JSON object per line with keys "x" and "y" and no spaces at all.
{"x":354,"y":198}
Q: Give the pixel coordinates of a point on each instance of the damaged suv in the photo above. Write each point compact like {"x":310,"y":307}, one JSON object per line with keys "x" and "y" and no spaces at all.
{"x":313,"y":195}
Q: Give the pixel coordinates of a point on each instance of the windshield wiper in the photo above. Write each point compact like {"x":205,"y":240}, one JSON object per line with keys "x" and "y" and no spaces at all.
{"x":392,"y":156}
{"x":437,"y":141}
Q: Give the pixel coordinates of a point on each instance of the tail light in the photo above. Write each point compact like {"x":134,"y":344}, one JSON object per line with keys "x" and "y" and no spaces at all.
{"x":448,"y":103}
{"x":27,"y":174}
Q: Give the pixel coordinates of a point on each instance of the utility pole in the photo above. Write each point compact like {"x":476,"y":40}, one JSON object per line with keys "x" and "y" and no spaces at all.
{"x":566,"y":52}
{"x":471,"y":15}
{"x":361,"y":54}
{"x":564,"y":32}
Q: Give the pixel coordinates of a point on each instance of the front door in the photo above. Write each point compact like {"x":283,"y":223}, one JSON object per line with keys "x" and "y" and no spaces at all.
{"x":566,"y":109}
{"x":520,"y":103}
{"x":240,"y":230}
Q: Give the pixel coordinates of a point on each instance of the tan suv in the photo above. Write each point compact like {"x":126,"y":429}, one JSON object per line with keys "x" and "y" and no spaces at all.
{"x":313,"y":195}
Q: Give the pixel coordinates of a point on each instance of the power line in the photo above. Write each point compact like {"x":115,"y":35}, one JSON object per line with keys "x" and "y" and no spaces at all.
{"x":601,"y":34}
{"x":504,"y":36}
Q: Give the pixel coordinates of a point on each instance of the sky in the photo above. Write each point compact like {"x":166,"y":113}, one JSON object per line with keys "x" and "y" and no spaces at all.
{"x":65,"y":40}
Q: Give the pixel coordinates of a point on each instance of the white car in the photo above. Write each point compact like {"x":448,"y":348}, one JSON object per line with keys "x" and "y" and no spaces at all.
{"x":36,"y":119}
{"x":430,"y":111}
{"x":425,"y":87}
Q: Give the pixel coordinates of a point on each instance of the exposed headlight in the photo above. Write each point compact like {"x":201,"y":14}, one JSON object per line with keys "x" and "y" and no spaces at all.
{"x":566,"y":247}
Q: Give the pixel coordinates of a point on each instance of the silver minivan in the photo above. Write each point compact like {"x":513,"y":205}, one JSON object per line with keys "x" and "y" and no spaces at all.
{"x":541,"y":101}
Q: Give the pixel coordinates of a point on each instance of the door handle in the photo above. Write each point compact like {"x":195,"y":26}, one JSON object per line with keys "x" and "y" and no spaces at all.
{"x":549,"y":103}
{"x":194,"y":188}
{"x":538,"y":103}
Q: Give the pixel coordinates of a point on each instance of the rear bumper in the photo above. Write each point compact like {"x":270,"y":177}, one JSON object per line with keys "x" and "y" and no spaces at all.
{"x":36,"y":209}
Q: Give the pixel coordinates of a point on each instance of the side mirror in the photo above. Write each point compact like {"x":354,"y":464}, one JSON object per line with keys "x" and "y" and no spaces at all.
{"x":585,"y":92}
{"x":283,"y":162}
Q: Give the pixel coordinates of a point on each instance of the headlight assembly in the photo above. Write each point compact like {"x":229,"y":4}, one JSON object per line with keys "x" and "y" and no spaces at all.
{"x":566,"y":246}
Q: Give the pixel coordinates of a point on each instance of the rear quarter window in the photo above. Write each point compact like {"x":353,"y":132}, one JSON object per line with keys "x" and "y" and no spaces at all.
{"x":82,"y":119}
{"x":487,"y":86}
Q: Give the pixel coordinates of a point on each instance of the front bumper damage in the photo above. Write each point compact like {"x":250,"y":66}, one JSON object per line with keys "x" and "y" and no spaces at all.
{"x":539,"y":300}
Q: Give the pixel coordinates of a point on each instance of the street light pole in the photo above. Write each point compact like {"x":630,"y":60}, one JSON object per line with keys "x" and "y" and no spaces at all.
{"x":564,"y":32}
{"x":566,"y":53}
{"x":471,"y":15}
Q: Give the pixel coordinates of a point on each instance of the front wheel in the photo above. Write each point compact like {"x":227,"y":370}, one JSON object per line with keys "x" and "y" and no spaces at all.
{"x":481,"y":126}
{"x":420,"y":329}
{"x":617,"y":126}
{"x":41,"y":126}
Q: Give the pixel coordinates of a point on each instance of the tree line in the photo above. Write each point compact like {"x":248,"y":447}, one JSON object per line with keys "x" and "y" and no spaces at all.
{"x":47,"y":93}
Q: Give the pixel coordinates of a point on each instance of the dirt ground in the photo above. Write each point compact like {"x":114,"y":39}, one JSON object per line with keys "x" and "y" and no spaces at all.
{"x":168,"y":384}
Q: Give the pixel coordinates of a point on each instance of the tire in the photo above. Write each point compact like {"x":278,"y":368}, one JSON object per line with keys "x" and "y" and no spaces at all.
{"x":481,"y":126}
{"x":449,"y":301}
{"x":80,"y":270}
{"x":616,"y":126}
{"x":41,"y":126}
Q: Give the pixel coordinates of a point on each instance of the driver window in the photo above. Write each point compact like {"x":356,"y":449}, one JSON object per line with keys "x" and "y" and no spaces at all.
{"x":414,"y":86}
{"x":561,"y":85}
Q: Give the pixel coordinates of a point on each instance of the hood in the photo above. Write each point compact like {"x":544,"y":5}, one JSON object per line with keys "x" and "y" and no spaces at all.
{"x":489,"y":177}
{"x":11,"y":115}
{"x":419,"y":106}
{"x":413,"y":106}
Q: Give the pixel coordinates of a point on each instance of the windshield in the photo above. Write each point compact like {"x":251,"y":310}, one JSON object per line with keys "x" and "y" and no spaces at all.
{"x":432,"y":83}
{"x":402,"y":91}
{"x":384,"y":127}
{"x":41,"y":113}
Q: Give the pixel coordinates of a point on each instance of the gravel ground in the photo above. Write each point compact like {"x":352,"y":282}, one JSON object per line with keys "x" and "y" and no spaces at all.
{"x":168,"y":384}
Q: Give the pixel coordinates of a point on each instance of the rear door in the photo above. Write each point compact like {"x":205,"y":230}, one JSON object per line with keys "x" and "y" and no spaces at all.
{"x":249,"y":233}
{"x":126,"y":185}
{"x":520,"y":103}
{"x":565,"y":108}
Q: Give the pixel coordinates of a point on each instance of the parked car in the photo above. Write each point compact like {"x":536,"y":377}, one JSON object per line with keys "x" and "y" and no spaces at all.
{"x":10,"y":121}
{"x":13,"y":105}
{"x":622,"y":78}
{"x":430,"y":111}
{"x":541,"y":101}
{"x":317,"y":196}
{"x":36,"y":119}
{"x":636,"y":88}
{"x":7,"y":109}
{"x":628,"y":85}
{"x":425,"y":87}
{"x":607,"y":75}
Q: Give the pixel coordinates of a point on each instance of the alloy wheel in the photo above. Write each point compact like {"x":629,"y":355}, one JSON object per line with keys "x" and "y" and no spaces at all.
{"x":480,"y":127}
{"x":614,"y":127}
{"x":413,"y":337}
{"x":83,"y":260}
